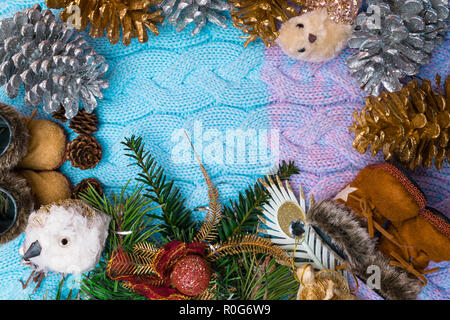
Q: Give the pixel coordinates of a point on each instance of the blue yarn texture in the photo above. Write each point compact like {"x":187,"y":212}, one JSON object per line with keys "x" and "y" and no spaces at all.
{"x":208,"y":85}
{"x":174,"y":81}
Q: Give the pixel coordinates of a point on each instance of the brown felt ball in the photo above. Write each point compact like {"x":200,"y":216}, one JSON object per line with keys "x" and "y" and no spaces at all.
{"x":47,"y":146}
{"x":191,"y":275}
{"x":48,"y":186}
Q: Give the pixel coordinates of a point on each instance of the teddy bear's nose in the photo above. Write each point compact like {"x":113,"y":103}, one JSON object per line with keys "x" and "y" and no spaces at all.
{"x":312,"y":38}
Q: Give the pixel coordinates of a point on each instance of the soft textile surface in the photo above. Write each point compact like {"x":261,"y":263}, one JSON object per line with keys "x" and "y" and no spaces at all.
{"x":211,"y":85}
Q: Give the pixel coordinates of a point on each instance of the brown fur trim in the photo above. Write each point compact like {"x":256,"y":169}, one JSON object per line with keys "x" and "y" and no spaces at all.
{"x":349,"y":234}
{"x":20,"y":138}
{"x":18,"y":188}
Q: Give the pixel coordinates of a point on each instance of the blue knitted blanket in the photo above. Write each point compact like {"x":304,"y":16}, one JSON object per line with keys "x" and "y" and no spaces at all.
{"x":209,"y":86}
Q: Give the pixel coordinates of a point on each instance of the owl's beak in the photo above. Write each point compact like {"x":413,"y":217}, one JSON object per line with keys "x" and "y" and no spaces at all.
{"x":33,"y":251}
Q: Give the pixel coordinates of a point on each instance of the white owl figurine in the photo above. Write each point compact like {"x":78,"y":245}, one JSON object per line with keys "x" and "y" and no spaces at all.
{"x":66,"y":237}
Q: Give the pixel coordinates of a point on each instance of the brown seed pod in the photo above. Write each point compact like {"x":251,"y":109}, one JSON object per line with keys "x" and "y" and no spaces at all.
{"x":84,"y":186}
{"x":84,"y":152}
{"x":84,"y":123}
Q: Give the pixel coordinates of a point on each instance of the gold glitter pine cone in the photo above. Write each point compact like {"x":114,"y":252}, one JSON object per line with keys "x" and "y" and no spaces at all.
{"x":259,"y":18}
{"x":84,"y":152}
{"x":340,"y":11}
{"x":132,"y":17}
{"x":413,"y":125}
{"x":84,"y":123}
{"x":84,"y":186}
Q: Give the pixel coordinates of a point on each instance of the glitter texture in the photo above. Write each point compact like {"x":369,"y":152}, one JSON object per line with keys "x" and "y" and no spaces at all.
{"x":191,"y":275}
{"x":340,"y":11}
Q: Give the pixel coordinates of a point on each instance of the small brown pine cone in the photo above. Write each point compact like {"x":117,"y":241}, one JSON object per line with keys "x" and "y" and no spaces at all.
{"x":84,"y":152}
{"x":84,"y":123}
{"x":83,"y":187}
{"x":60,"y":115}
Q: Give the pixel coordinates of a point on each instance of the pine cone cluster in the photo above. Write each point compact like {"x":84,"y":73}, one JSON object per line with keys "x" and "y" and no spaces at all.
{"x":394,"y":39}
{"x":180,"y":13}
{"x":84,"y":123}
{"x":412,"y":124}
{"x":259,"y":18}
{"x":84,"y":186}
{"x":84,"y":152}
{"x":56,"y":66}
{"x":132,"y":17}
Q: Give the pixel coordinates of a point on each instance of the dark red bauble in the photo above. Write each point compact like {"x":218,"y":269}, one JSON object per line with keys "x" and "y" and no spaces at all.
{"x":191,"y":275}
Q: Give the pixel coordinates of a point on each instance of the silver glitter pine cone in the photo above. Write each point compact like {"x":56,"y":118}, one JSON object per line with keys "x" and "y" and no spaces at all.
{"x":56,"y":65}
{"x":181,"y":13}
{"x":395,"y":38}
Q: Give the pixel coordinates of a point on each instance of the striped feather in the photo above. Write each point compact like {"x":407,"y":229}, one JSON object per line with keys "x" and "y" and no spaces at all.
{"x":312,"y":249}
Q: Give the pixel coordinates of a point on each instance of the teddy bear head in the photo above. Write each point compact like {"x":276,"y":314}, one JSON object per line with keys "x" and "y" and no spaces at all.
{"x":313,"y":36}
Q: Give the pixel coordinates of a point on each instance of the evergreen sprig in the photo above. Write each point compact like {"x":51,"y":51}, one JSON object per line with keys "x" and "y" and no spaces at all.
{"x":254,"y":277}
{"x":177,"y":219}
{"x":261,"y":278}
{"x":242,"y":216}
{"x":238,"y":275}
{"x":131,"y":223}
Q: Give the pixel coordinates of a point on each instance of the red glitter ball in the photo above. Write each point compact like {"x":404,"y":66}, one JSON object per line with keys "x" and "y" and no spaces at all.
{"x":191,"y":275}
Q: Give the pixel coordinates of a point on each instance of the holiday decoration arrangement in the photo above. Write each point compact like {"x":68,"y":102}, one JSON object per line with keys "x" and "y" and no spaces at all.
{"x":147,"y":241}
{"x":161,"y":257}
{"x":332,"y":236}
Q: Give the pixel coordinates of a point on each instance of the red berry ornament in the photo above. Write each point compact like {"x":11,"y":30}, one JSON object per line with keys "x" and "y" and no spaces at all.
{"x":191,"y":275}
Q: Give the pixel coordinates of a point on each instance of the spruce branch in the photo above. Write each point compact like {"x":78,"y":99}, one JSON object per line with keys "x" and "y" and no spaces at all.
{"x":132,"y":222}
{"x":241,"y":216}
{"x":176,"y":218}
{"x":248,"y":276}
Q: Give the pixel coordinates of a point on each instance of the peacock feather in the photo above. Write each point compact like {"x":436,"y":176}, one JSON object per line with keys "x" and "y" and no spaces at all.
{"x":284,"y":222}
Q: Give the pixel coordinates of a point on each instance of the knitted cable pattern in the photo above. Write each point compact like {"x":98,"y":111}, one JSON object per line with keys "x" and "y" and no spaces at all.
{"x":175,"y":81}
{"x":312,"y":106}
{"x":172,"y":82}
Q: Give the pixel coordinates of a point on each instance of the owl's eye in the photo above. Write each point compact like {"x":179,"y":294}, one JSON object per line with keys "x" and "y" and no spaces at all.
{"x":64,"y":242}
{"x":300,"y":25}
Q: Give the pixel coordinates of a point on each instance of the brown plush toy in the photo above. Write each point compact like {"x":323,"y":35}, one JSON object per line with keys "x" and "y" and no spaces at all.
{"x":321,"y":31}
{"x":30,"y":151}
{"x":394,"y":208}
